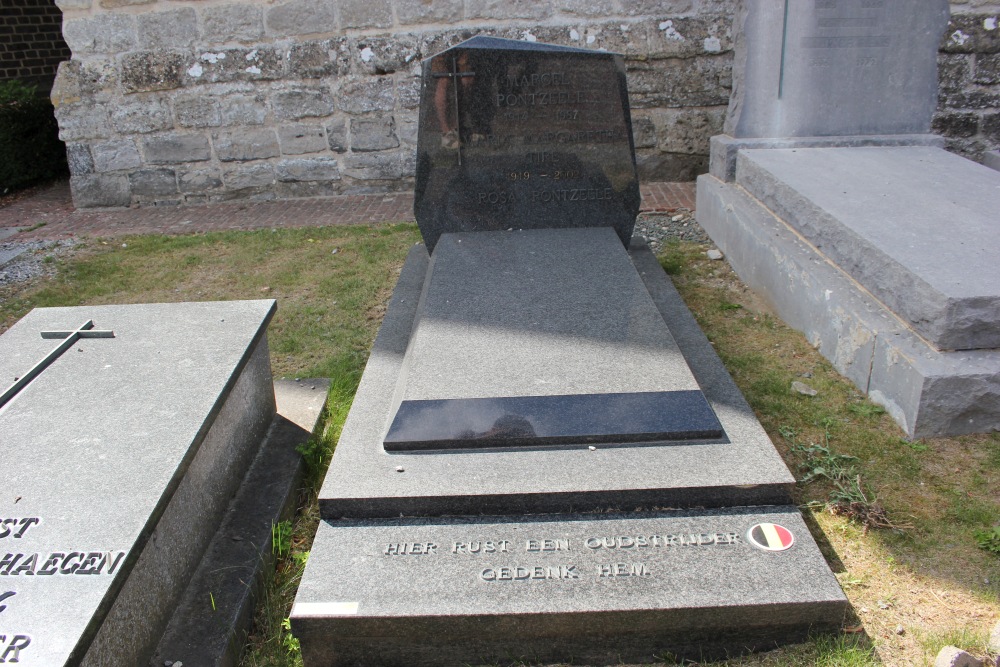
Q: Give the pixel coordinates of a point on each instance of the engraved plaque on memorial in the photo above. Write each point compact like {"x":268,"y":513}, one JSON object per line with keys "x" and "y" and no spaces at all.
{"x":519,"y":135}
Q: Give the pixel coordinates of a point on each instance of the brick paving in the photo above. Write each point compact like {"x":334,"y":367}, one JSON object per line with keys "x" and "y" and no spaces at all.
{"x":53,"y":206}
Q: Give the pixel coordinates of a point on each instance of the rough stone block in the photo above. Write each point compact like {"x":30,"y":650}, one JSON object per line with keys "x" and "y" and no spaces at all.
{"x":79,"y":159}
{"x":360,"y":95}
{"x":422,"y":11}
{"x":243,"y":109}
{"x":153,"y":182}
{"x":199,"y":180}
{"x":235,"y":22}
{"x":365,"y":14}
{"x":956,"y":124}
{"x":246,"y":144}
{"x":146,"y":71}
{"x":299,"y":138}
{"x":197,"y":111}
{"x":116,"y":155}
{"x":384,"y":55}
{"x":243,"y":64}
{"x":175,"y":28}
{"x":176,"y":148}
{"x":80,"y":121}
{"x":308,"y":169}
{"x":691,"y":82}
{"x":373,"y":134}
{"x":408,"y":92}
{"x":248,"y":176}
{"x":665,"y":7}
{"x":687,"y":130}
{"x":954,"y":71}
{"x":105,"y":33}
{"x":294,"y":189}
{"x":301,"y":17}
{"x":376,"y":166}
{"x":643,"y":132}
{"x":71,"y":5}
{"x":508,"y":9}
{"x":336,"y":135}
{"x":93,"y":190}
{"x":141,"y":116}
{"x":587,"y":8}
{"x":987,"y":69}
{"x":991,"y":127}
{"x":628,"y":39}
{"x":971,"y":33}
{"x":302,"y":103}
{"x":115,"y":4}
{"x":313,"y":60}
{"x":688,"y":37}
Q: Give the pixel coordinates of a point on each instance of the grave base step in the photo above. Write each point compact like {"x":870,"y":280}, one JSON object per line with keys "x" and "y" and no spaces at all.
{"x":598,"y":588}
{"x":211,"y":623}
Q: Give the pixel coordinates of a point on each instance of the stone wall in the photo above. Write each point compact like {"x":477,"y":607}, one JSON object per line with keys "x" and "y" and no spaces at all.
{"x":969,"y":80}
{"x":184,"y":101}
{"x":169,"y":101}
{"x":31,"y":42}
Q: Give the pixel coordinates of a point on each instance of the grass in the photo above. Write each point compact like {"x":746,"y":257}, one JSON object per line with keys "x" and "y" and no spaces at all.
{"x":931,"y":578}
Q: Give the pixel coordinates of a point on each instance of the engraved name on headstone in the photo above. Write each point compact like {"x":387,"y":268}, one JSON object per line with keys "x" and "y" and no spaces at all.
{"x":521,"y":135}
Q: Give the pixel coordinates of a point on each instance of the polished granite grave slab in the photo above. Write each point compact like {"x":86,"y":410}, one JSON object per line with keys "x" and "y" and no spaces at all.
{"x":543,"y":313}
{"x":916,"y":226}
{"x":517,"y":134}
{"x":119,"y":459}
{"x":525,"y":421}
{"x":536,"y":589}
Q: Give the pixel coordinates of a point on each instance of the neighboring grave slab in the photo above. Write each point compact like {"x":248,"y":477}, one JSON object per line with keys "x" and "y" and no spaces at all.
{"x":536,"y":589}
{"x":524,"y":135}
{"x":835,"y":67}
{"x":916,"y":226}
{"x":120,"y":458}
{"x":540,"y":313}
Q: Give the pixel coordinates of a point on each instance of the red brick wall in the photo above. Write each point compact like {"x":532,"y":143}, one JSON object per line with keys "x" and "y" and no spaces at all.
{"x":31,"y":42}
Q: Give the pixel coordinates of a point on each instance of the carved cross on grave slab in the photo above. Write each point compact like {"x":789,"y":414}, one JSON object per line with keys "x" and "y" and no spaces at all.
{"x":85,"y":330}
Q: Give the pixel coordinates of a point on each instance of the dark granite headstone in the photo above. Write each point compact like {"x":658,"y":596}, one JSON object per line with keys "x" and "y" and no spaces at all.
{"x":524,"y":136}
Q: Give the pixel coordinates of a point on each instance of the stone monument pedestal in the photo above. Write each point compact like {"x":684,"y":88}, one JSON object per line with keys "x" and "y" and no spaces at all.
{"x":884,"y":257}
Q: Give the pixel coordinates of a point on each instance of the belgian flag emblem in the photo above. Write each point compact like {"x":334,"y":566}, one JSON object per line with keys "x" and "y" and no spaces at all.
{"x":770,"y":537}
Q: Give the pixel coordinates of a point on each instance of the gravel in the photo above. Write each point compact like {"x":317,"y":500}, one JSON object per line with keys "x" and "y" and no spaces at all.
{"x":659,"y":228}
{"x":29,"y":259}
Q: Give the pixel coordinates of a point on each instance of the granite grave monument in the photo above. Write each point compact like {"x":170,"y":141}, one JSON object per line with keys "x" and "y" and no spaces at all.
{"x":545,"y":460}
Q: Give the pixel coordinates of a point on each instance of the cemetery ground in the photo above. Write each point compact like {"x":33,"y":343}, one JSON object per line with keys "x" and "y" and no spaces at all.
{"x":910,"y":527}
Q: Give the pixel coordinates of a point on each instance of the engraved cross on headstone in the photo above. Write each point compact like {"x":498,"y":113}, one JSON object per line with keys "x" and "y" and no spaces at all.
{"x":455,"y":75}
{"x":86,"y":330}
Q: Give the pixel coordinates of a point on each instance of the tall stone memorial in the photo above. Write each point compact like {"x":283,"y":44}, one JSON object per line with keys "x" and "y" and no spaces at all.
{"x":545,"y":460}
{"x":831,"y":199}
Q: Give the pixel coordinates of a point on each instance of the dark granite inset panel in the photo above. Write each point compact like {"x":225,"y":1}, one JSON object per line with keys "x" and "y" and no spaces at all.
{"x":517,"y":135}
{"x":532,"y":421}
